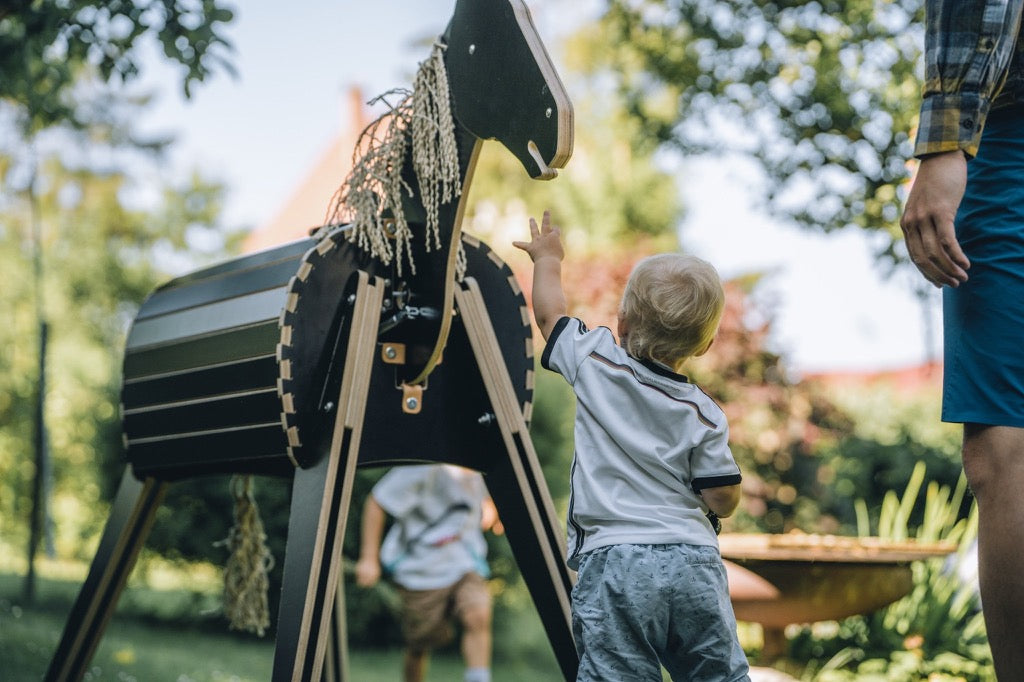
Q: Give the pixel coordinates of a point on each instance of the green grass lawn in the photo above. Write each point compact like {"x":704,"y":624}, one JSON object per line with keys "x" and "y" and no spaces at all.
{"x":139,"y":650}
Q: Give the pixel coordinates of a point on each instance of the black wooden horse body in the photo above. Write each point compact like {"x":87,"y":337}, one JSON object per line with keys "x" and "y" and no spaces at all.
{"x":307,"y":359}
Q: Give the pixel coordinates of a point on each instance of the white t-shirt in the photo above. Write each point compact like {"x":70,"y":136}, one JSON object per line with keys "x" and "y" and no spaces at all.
{"x":647,"y":441}
{"x":436,"y":537}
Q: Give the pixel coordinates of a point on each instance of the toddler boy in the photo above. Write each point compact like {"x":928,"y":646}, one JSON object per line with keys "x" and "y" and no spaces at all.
{"x":651,"y":461}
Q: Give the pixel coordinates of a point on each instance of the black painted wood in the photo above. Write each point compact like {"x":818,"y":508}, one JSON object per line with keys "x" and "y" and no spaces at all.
{"x":251,"y":261}
{"x":131,"y":518}
{"x":455,"y":423}
{"x":503,"y":84}
{"x":248,"y":374}
{"x":252,"y":274}
{"x":201,"y":414}
{"x":255,"y":449}
{"x":200,"y":352}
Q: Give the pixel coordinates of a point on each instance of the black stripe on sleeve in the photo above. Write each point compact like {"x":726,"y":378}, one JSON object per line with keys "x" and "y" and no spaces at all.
{"x":555,"y":331}
{"x":715,"y":481}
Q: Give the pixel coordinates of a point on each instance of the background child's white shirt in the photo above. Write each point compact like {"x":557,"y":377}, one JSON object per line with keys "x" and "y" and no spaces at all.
{"x":646,"y":441}
{"x":436,"y":536}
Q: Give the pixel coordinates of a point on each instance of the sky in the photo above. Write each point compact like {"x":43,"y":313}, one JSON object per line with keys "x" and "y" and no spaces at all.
{"x":260,"y":132}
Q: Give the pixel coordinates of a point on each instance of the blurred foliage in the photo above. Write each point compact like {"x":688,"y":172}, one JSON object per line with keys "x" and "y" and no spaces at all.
{"x":822,"y":94}
{"x":937,"y":631}
{"x":49,"y":49}
{"x":74,"y":237}
{"x":95,"y":247}
{"x":611,"y":193}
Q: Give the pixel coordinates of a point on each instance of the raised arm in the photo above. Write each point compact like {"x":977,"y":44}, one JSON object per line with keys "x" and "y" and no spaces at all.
{"x":545,"y":250}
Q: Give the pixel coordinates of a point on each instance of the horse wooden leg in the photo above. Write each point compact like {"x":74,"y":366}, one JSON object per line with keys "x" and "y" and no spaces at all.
{"x":320,"y":500}
{"x":131,"y":518}
{"x":336,"y":659}
{"x":517,"y":486}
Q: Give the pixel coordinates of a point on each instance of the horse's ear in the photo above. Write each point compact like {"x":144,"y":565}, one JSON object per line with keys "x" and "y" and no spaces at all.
{"x":504,"y":85}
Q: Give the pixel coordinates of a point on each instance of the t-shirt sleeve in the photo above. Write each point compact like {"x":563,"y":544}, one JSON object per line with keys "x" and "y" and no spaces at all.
{"x":712,"y":464}
{"x":569,"y":344}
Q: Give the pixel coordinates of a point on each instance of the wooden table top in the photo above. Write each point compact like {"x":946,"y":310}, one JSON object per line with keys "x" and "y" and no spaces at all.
{"x":833,"y":548}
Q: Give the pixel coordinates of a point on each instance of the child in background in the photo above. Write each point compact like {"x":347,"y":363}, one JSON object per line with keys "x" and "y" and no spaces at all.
{"x":436,"y":553}
{"x":651,"y":460}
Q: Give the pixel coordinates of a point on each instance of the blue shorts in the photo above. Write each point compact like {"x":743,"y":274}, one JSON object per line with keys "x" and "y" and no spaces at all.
{"x":638,"y":607}
{"x":983,"y":318}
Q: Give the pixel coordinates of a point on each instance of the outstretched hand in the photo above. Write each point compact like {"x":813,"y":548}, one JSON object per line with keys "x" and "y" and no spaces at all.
{"x":545,"y":241}
{"x":927,"y":219}
{"x":545,"y":249}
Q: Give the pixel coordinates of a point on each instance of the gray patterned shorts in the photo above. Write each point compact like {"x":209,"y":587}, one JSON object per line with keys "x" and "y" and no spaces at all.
{"x":636,"y":608}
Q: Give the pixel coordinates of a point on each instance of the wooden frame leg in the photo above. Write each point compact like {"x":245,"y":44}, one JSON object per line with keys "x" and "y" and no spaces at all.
{"x":131,"y":518}
{"x":320,"y":501}
{"x":517,"y":486}
{"x":336,"y":660}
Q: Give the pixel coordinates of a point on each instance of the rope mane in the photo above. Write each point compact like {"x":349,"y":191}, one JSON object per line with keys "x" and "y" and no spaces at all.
{"x":374,"y":186}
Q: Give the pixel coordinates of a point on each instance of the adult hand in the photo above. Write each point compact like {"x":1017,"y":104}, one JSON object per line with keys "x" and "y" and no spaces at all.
{"x":927,"y":219}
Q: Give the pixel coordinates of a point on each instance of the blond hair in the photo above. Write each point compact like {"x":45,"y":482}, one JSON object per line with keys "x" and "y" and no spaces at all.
{"x":672,"y":305}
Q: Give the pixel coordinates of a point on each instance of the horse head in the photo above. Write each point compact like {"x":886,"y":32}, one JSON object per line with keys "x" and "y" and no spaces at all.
{"x":504,"y":86}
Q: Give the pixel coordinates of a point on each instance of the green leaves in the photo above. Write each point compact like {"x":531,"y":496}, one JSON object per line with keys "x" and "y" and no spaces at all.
{"x":48,"y":48}
{"x":100,"y":258}
{"x":823,"y":94}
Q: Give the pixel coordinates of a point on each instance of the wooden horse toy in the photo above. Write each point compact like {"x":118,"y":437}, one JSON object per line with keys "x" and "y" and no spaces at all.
{"x":314,"y":357}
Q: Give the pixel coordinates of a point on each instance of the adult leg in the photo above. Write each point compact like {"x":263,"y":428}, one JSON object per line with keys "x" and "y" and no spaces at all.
{"x":414,"y":666}
{"x":994,"y":464}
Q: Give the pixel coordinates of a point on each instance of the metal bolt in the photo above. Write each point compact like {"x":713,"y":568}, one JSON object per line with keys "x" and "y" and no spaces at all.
{"x":547,"y":112}
{"x":329,"y":406}
{"x":472,"y":49}
{"x":351,"y":299}
{"x":485,"y":418}
{"x":390,"y":353}
{"x":411,"y":403}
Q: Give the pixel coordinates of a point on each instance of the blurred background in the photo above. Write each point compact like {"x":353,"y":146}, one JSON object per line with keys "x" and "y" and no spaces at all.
{"x":141,"y":140}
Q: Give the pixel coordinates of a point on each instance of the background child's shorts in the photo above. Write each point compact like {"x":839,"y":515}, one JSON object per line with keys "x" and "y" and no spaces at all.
{"x":427,"y":614}
{"x":635,"y":606}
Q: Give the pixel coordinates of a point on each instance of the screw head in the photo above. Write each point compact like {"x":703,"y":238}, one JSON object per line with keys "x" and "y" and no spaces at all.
{"x":472,"y":49}
{"x":412,"y":403}
{"x":390,"y":353}
{"x":547,"y":112}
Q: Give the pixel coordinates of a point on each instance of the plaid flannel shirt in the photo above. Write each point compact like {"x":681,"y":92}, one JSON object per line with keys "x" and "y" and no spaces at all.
{"x":974,"y":61}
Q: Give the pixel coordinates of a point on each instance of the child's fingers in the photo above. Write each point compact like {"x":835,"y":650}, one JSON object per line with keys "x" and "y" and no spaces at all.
{"x":546,"y":222}
{"x":533,"y":228}
{"x":521,"y":245}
